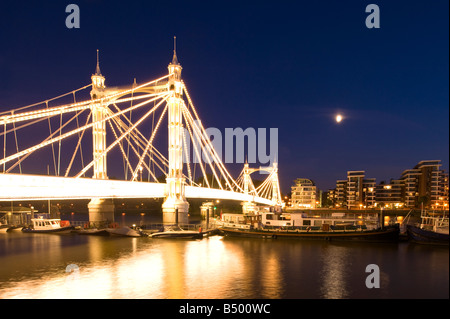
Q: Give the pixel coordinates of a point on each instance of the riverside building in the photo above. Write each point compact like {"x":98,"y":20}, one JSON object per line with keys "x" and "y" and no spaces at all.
{"x":304,"y":194}
{"x":423,"y":185}
{"x":426,"y":184}
{"x":355,"y":192}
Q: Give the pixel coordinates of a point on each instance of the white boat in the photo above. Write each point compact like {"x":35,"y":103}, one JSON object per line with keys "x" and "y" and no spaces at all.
{"x":3,"y":228}
{"x":302,"y":221}
{"x":124,"y":231}
{"x":312,"y":225}
{"x":174,"y":231}
{"x":46,"y":225}
{"x":16,"y":228}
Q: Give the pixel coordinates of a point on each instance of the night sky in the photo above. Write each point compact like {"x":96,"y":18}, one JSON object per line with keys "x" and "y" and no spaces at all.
{"x":291,"y":65}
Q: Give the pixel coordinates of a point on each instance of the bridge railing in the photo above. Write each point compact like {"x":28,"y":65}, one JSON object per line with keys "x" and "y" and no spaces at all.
{"x":149,"y":227}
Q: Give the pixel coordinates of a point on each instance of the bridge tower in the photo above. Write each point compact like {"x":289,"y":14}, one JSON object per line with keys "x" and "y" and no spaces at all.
{"x":276,"y":195}
{"x":246,"y":178}
{"x":175,"y":207}
{"x":99,"y":129}
{"x":100,"y":210}
{"x":248,"y":207}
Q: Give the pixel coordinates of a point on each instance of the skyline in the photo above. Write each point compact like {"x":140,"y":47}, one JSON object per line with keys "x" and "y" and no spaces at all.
{"x":292,"y":67}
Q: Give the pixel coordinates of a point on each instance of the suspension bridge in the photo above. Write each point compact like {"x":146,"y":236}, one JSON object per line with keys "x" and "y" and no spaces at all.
{"x":52,"y":135}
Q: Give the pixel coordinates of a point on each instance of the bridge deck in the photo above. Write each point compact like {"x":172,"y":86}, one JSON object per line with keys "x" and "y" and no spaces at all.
{"x":38,"y":187}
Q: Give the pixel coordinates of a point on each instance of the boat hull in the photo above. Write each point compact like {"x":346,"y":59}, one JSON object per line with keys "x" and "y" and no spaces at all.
{"x":381,"y":235}
{"x":179,"y":235}
{"x":16,"y":228}
{"x":423,"y":236}
{"x":92,"y":232}
{"x":43,"y":231}
{"x":124,"y":231}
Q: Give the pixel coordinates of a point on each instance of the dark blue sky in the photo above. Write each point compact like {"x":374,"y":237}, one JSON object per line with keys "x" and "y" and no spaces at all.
{"x":287,"y":64}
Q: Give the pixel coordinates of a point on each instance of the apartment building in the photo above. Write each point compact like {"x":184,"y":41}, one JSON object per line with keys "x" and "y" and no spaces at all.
{"x":355,"y":192}
{"x":443,"y":187}
{"x":390,"y":195}
{"x":304,"y":194}
{"x":425,"y":183}
{"x":410,"y":178}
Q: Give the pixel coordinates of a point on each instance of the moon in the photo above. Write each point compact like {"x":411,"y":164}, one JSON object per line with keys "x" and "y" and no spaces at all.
{"x":338,"y":118}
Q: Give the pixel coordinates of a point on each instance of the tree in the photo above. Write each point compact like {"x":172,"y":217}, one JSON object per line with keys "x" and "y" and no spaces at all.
{"x":425,"y":200}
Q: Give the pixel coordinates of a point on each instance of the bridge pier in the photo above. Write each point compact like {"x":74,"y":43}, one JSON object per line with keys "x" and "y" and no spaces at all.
{"x":207,"y":210}
{"x":101,"y":210}
{"x":175,"y":211}
{"x":175,"y":208}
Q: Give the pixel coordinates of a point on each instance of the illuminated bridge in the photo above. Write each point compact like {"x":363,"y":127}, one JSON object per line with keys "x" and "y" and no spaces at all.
{"x":51,"y":135}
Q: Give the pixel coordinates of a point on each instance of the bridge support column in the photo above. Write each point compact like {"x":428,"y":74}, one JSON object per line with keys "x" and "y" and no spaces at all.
{"x":175,"y":208}
{"x":175,"y":211}
{"x":101,"y":211}
{"x":207,"y":208}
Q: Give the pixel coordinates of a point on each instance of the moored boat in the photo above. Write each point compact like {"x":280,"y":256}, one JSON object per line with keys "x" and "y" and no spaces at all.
{"x":9,"y":228}
{"x":4,"y":228}
{"x":174,"y":231}
{"x":47,"y":225}
{"x":16,"y":228}
{"x":382,"y":234}
{"x":92,"y":232}
{"x":124,"y":231}
{"x":433,"y":229}
{"x":311,"y":226}
{"x":423,"y":236}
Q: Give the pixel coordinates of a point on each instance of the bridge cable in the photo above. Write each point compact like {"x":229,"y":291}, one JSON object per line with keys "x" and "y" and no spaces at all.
{"x":50,"y":129}
{"x":17,"y":145}
{"x":46,"y":101}
{"x":118,"y":125}
{"x":136,"y":138}
{"x":79,"y":139}
{"x":196,"y":149}
{"x":122,"y":136}
{"x":150,"y":141}
{"x":56,"y":139}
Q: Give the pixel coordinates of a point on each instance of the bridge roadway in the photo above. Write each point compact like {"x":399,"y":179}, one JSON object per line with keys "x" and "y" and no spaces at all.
{"x":20,"y":187}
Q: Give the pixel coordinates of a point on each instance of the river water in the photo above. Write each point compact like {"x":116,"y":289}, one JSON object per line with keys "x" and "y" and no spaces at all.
{"x":37,"y":266}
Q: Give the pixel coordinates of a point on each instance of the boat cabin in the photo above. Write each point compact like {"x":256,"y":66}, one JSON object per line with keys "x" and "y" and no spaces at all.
{"x":46,"y":224}
{"x":438,"y":223}
{"x":312,"y":220}
{"x":243,"y":221}
{"x":318,"y":220}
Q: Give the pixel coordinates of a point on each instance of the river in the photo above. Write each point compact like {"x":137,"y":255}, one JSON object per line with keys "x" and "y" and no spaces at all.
{"x":39,"y":266}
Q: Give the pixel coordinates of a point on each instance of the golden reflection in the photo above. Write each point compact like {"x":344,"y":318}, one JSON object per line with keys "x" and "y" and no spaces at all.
{"x":333,"y":285}
{"x":96,"y":249}
{"x":138,"y":274}
{"x":141,"y":275}
{"x":173,"y":277}
{"x":204,"y":266}
{"x":156,"y":269}
{"x":271,"y":278}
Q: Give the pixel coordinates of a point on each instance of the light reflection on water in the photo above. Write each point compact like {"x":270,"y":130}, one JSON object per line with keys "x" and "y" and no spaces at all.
{"x":334,"y":273}
{"x":34,"y":266}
